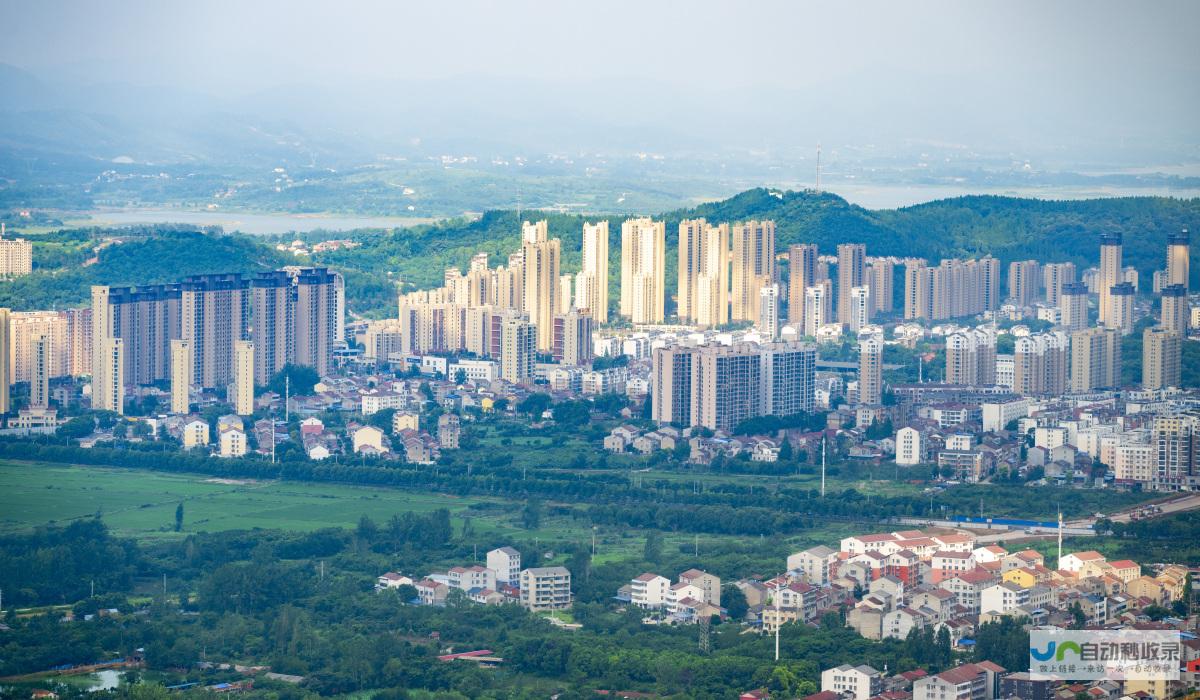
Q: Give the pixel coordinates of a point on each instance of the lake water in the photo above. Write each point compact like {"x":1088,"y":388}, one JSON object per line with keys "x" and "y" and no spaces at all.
{"x":104,"y":680}
{"x":866,"y":195}
{"x":246,"y":223}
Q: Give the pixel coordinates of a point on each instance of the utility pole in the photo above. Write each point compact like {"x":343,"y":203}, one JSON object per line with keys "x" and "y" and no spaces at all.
{"x":1058,"y":564}
{"x":822,"y":466}
{"x":287,"y":395}
{"x":778,"y":621}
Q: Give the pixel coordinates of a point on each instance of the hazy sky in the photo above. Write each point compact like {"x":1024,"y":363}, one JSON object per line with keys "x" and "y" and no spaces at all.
{"x":246,"y":45}
{"x":1023,"y":70}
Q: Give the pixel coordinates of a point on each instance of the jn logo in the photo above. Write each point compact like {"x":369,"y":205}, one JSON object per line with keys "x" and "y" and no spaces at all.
{"x":1050,"y":651}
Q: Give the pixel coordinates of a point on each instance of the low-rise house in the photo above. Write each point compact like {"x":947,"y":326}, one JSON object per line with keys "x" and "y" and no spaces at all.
{"x":195,"y":434}
{"x":546,"y":588}
{"x":816,"y":564}
{"x":430,"y":592}
{"x":852,"y":682}
{"x":232,"y":442}
{"x":392,"y":580}
{"x":710,"y":584}
{"x":649,"y":591}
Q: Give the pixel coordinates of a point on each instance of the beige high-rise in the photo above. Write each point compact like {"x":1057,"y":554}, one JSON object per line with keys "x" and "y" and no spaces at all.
{"x":712,"y":284}
{"x":214,"y":314}
{"x":768,"y":312}
{"x":870,"y":371}
{"x":971,"y":358}
{"x":1109,"y":276}
{"x":1024,"y":279}
{"x":802,"y":274}
{"x":860,"y":308}
{"x":852,"y":261}
{"x":274,"y":326}
{"x":16,"y":256}
{"x":880,"y":278}
{"x":1055,"y":276}
{"x":182,"y":367}
{"x":1095,"y":359}
{"x":26,"y":327}
{"x":591,"y":283}
{"x":243,"y":377}
{"x":1120,"y":307}
{"x":39,"y":380}
{"x":1073,"y":302}
{"x":542,"y":256}
{"x":315,"y":318}
{"x":1178,"y":262}
{"x":691,"y":257}
{"x":1175,"y":455}
{"x":1040,"y":364}
{"x":108,"y":369}
{"x":1174,"y":312}
{"x":573,"y":338}
{"x":518,"y":349}
{"x":643,"y":270}
{"x":816,"y":308}
{"x":1161,"y":358}
{"x":753,"y":261}
{"x":5,"y":360}
{"x":146,"y":319}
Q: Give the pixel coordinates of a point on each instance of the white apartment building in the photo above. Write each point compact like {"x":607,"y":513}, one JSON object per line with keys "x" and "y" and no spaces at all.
{"x":506,"y":563}
{"x":910,"y":448}
{"x":862,"y":682}
{"x":649,"y":591}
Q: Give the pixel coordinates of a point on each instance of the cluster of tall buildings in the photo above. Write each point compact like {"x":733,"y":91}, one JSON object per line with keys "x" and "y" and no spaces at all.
{"x":719,"y":386}
{"x":953,"y":289}
{"x":209,"y":331}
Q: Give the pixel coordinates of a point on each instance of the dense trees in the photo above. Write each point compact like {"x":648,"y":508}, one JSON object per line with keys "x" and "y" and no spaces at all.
{"x":62,"y":564}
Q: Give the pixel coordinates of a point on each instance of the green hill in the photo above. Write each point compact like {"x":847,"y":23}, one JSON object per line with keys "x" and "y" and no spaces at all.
{"x":65,"y":270}
{"x":1009,"y":228}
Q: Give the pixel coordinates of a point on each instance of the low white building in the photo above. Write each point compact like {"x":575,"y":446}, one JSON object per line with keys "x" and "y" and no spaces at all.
{"x":506,"y":562}
{"x":860,"y":682}
{"x":649,"y":590}
{"x":910,"y":446}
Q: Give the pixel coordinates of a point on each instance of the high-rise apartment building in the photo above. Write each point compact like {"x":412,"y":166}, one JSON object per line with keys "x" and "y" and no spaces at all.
{"x":816,"y":308}
{"x":1040,"y":364}
{"x":691,"y":255}
{"x":214,"y":314}
{"x":671,"y":385}
{"x":1176,"y":450}
{"x":870,"y":371}
{"x":971,"y":358}
{"x":26,"y":327}
{"x":79,"y":341}
{"x":953,"y":289}
{"x":591,"y":283}
{"x":542,"y":256}
{"x":1024,"y":281}
{"x":880,"y":277}
{"x":1161,"y":358}
{"x":643,"y":270}
{"x":182,"y":367}
{"x":518,"y":349}
{"x":1120,"y":307}
{"x":16,"y":256}
{"x":1174,"y":308}
{"x":39,"y":380}
{"x":573,"y":338}
{"x":719,"y":386}
{"x":315,"y":319}
{"x":1073,"y":303}
{"x":860,"y":308}
{"x":146,"y":319}
{"x":1095,"y":359}
{"x":1055,"y":276}
{"x":108,"y":372}
{"x":1109,"y":276}
{"x":711,"y":299}
{"x":272,"y":308}
{"x":753,"y":263}
{"x":768,"y":311}
{"x":802,"y":274}
{"x":1178,"y":260}
{"x":851,"y":269}
{"x":242,"y":388}
{"x":5,"y":360}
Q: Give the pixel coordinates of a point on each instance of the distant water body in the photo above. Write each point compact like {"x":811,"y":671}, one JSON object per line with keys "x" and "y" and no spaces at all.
{"x":244,"y":222}
{"x":863,"y":194}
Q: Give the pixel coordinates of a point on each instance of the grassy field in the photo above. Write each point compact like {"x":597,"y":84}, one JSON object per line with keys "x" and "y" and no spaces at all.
{"x":142,"y":503}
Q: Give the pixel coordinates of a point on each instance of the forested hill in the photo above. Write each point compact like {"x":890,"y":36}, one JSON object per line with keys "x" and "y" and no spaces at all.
{"x":1007,"y":227}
